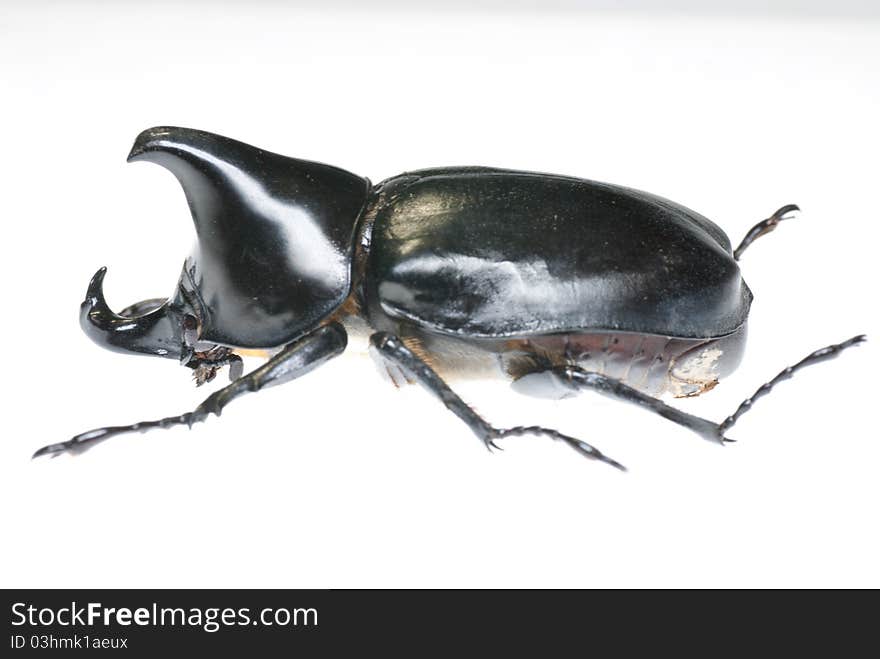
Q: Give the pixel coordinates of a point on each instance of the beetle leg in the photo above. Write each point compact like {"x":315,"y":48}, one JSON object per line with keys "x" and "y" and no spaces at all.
{"x":577,"y":378}
{"x":763,"y":227}
{"x":392,"y":348}
{"x":828,"y":352}
{"x":295,"y":360}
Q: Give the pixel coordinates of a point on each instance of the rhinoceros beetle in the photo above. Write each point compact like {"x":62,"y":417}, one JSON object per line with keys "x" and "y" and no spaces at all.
{"x":561,"y":284}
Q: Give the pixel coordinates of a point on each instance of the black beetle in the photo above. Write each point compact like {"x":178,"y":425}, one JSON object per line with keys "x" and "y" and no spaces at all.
{"x":561,"y":283}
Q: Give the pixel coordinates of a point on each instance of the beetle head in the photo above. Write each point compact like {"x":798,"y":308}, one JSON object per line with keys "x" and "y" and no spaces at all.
{"x":272,"y":256}
{"x":162,"y":327}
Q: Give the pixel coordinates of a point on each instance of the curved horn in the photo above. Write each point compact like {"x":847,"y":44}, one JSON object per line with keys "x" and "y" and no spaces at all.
{"x":274,"y":234}
{"x":153,"y":333}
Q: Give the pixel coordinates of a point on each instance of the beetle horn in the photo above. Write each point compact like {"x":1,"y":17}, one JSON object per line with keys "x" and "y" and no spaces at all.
{"x":274,"y":234}
{"x":151,"y":333}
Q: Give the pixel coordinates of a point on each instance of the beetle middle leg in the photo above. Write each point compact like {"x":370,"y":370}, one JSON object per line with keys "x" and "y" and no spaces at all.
{"x":295,"y":360}
{"x":393,"y":349}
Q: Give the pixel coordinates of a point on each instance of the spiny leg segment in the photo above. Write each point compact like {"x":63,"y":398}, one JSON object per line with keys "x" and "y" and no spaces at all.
{"x":392,"y":348}
{"x":295,"y":360}
{"x":821,"y":355}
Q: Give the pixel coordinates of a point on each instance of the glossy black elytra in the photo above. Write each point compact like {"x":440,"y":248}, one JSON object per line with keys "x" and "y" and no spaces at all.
{"x":560,"y":283}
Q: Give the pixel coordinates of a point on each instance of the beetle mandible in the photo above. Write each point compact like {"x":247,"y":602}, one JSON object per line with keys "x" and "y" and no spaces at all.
{"x":561,"y":284}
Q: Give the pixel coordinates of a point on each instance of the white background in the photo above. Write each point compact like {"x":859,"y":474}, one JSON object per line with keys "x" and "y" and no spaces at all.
{"x":339,"y":480}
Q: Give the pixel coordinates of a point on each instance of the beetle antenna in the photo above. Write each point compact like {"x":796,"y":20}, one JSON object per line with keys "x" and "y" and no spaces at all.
{"x":764,"y":227}
{"x":821,"y":355}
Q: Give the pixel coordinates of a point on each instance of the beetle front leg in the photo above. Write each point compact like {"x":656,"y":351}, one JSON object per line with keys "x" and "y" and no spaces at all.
{"x":295,"y":360}
{"x":392,"y":348}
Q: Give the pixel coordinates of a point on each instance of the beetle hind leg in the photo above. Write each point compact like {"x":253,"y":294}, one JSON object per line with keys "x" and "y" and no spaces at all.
{"x":574,"y":378}
{"x":821,"y":355}
{"x":763,"y":228}
{"x":393,"y":350}
{"x":570,"y":378}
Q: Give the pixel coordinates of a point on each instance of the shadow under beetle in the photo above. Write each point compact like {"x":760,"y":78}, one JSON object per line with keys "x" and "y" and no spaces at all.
{"x":561,"y":283}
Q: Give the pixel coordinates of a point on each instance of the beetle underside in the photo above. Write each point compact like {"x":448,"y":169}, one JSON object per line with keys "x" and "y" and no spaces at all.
{"x":654,"y":365}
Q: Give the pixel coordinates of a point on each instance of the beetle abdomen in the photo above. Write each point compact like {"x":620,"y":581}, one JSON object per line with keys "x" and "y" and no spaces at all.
{"x":655,"y":365}
{"x":477,"y":252}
